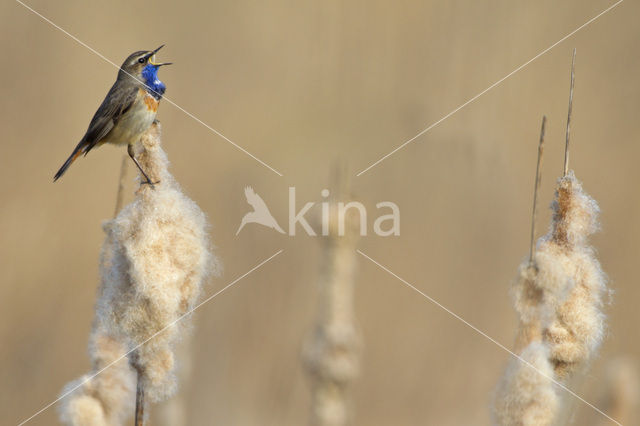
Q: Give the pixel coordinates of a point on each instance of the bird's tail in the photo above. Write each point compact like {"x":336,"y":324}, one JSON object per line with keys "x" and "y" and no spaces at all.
{"x":75,"y":154}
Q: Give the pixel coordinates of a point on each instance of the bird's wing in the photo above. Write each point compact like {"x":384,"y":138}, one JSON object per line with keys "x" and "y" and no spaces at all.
{"x":117,"y":102}
{"x":254,"y":199}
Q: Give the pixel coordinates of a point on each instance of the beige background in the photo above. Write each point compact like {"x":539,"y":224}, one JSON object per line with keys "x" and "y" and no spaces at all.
{"x":302,"y":86}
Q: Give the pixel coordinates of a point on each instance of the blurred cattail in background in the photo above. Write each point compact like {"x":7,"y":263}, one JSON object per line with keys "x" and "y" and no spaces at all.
{"x":331,"y":352}
{"x":154,"y":261}
{"x":620,"y":394}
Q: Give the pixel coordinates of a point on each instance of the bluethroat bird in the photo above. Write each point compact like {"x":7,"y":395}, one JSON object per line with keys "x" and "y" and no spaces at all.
{"x":127,"y":111}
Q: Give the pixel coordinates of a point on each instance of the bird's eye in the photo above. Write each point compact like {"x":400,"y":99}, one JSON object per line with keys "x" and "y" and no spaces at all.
{"x":141,"y":60}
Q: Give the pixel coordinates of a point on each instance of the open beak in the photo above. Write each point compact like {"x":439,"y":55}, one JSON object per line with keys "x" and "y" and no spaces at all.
{"x":151,"y":56}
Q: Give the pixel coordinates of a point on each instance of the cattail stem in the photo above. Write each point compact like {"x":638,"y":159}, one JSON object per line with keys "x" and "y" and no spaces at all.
{"x":139,"y":419}
{"x":566,"y":143}
{"x":120,"y":193}
{"x":536,"y":186}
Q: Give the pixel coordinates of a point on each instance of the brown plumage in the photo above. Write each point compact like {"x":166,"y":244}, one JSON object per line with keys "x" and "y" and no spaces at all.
{"x":126,"y":112}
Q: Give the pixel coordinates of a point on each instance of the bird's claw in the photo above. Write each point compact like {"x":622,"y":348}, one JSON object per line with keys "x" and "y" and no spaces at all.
{"x":151,"y":184}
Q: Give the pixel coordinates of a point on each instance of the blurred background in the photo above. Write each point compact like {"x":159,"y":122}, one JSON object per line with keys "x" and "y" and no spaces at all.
{"x":303,"y":86}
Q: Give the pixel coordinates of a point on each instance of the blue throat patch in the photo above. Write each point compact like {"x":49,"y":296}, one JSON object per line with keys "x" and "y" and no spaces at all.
{"x":154,"y":86}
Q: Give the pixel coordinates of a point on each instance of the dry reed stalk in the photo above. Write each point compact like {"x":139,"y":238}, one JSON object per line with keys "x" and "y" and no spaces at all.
{"x":139,"y":416}
{"x":536,"y":187}
{"x":529,"y":329}
{"x":524,"y":395}
{"x":154,"y":260}
{"x":567,"y":133}
{"x":331,"y":353}
{"x":120,"y":193}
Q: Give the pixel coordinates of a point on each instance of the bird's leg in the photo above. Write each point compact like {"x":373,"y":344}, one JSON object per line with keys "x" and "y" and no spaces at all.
{"x":133,"y":157}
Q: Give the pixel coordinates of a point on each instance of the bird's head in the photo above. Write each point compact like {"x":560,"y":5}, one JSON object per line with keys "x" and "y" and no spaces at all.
{"x":141,"y":65}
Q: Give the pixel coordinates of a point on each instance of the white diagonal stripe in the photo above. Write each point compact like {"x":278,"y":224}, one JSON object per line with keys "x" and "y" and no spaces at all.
{"x":482,"y":333}
{"x":76,"y":39}
{"x":153,"y":336}
{"x":489,"y":88}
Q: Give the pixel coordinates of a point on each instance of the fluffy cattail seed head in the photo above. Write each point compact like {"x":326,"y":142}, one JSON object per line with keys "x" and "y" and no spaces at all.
{"x":558,"y":297}
{"x":155,"y":258}
{"x":526,"y":395}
